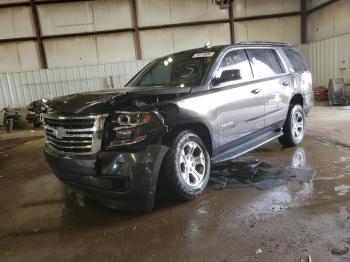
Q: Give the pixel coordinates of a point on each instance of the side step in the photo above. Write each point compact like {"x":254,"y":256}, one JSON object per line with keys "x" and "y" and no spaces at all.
{"x":246,"y":147}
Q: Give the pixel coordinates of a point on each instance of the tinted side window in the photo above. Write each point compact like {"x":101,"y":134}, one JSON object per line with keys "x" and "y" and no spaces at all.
{"x":264,"y":63}
{"x":236,"y":60}
{"x":296,"y":59}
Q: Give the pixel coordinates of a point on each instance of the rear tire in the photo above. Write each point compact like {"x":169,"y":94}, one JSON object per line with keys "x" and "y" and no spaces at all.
{"x":186,"y":167}
{"x":294,"y":127}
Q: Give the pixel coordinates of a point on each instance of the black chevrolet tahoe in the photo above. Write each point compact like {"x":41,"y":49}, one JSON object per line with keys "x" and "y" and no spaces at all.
{"x":178,"y":116}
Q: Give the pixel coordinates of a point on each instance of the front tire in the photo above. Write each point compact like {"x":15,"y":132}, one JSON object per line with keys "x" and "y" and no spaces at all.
{"x":186,"y":167}
{"x":294,"y":127}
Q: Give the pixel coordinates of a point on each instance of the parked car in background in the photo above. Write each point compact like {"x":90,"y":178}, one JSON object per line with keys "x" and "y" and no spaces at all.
{"x":178,"y":116}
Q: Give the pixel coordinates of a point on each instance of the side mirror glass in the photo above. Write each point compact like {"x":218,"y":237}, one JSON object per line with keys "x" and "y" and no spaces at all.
{"x":228,"y":75}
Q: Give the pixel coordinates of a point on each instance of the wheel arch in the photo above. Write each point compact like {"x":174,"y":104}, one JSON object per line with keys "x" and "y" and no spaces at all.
{"x":297,"y":99}
{"x":199,"y":128}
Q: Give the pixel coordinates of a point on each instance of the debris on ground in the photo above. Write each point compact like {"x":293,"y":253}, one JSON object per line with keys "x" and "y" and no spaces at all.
{"x":256,"y":173}
{"x":308,"y":259}
{"x":200,"y":211}
{"x":258,"y":252}
{"x":342,"y":190}
{"x":339,"y":251}
{"x":36,"y":230}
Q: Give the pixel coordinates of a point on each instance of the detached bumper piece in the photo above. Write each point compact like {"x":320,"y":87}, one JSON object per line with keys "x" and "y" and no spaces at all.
{"x":119,"y":180}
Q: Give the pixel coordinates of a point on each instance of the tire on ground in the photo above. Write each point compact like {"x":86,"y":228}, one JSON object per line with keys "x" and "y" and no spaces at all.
{"x":171,"y":180}
{"x":288,"y":139}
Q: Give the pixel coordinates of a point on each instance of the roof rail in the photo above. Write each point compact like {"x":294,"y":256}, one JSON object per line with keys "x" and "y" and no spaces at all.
{"x":263,"y":43}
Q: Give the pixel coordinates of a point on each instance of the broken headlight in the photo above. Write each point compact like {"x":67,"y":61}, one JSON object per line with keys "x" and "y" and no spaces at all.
{"x":128,"y":128}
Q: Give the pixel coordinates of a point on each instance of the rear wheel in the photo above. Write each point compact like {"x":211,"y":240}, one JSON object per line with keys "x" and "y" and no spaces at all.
{"x":294,"y":127}
{"x":186,"y":166}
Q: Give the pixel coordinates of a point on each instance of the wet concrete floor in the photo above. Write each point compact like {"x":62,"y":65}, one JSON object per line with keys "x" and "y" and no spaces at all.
{"x":40,"y":222}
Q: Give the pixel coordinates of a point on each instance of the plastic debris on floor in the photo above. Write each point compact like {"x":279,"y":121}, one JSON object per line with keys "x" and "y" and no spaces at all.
{"x":256,"y":173}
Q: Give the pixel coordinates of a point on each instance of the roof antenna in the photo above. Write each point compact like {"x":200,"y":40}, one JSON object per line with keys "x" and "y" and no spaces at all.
{"x":207,"y":45}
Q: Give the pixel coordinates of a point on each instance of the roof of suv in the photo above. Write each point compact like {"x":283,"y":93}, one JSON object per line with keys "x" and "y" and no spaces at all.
{"x":263,"y":43}
{"x":216,"y":48}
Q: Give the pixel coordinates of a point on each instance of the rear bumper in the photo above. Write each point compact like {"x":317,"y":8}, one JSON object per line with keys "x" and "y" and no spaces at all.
{"x":120,"y":180}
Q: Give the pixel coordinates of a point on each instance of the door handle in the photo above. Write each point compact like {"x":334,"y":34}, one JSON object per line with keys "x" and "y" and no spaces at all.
{"x":256,"y":91}
{"x":285,"y":83}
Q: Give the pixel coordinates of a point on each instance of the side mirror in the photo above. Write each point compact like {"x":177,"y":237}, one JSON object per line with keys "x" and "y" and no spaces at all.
{"x":228,"y":75}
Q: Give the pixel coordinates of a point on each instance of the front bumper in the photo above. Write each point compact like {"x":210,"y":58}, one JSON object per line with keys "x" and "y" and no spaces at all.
{"x":120,"y":180}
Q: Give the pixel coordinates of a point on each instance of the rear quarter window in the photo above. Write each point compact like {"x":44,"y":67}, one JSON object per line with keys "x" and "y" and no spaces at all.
{"x":296,"y":59}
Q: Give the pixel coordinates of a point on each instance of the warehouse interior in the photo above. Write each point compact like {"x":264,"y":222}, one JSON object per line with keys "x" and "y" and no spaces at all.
{"x":54,"y":48}
{"x":74,"y":40}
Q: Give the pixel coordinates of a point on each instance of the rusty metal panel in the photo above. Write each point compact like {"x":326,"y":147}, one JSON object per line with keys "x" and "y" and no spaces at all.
{"x":283,"y":29}
{"x":246,"y":8}
{"x":21,"y":88}
{"x":175,"y":11}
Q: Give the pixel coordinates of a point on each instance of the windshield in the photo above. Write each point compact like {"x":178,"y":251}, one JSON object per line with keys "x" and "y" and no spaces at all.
{"x":181,"y":70}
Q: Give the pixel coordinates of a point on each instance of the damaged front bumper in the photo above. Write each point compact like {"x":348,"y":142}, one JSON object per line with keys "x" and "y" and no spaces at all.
{"x":120,"y":180}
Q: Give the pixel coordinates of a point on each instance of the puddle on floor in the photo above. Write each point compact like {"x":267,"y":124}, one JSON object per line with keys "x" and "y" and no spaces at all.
{"x":258,"y":174}
{"x":36,"y":194}
{"x":342,"y":190}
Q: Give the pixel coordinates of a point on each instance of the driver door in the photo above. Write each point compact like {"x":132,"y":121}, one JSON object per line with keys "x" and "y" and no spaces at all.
{"x":240,"y":105}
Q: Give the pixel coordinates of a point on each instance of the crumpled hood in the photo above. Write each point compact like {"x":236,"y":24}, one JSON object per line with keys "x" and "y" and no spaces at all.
{"x":107,"y":100}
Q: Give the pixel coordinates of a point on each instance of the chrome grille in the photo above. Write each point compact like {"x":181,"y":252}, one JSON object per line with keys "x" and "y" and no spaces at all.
{"x":71,"y":123}
{"x":74,"y":135}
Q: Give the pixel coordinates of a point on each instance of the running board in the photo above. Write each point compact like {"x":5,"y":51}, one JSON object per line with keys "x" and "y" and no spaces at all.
{"x":246,"y":147}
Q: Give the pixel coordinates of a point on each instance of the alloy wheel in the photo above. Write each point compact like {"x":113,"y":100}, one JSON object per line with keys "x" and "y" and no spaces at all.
{"x":192,"y":163}
{"x":298,"y":126}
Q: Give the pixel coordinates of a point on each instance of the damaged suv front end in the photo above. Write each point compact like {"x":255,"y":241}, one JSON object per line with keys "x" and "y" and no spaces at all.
{"x":114,"y":158}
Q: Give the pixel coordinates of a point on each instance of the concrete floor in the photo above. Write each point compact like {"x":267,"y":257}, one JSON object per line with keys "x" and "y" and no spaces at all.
{"x":330,"y":124}
{"x":39,"y":222}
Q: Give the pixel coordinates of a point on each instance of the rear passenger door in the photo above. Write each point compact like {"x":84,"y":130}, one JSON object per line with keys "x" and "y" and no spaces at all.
{"x":274,"y":83}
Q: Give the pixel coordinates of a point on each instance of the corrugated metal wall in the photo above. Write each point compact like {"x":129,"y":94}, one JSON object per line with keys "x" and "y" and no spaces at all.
{"x":21,"y":88}
{"x":321,"y":57}
{"x":329,"y":58}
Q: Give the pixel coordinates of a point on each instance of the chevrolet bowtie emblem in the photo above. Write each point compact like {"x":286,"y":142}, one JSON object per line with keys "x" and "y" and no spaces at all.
{"x":60,"y":132}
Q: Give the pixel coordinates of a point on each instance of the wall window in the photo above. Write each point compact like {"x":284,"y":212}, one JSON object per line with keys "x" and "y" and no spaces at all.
{"x":236,"y":60}
{"x":264,"y":62}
